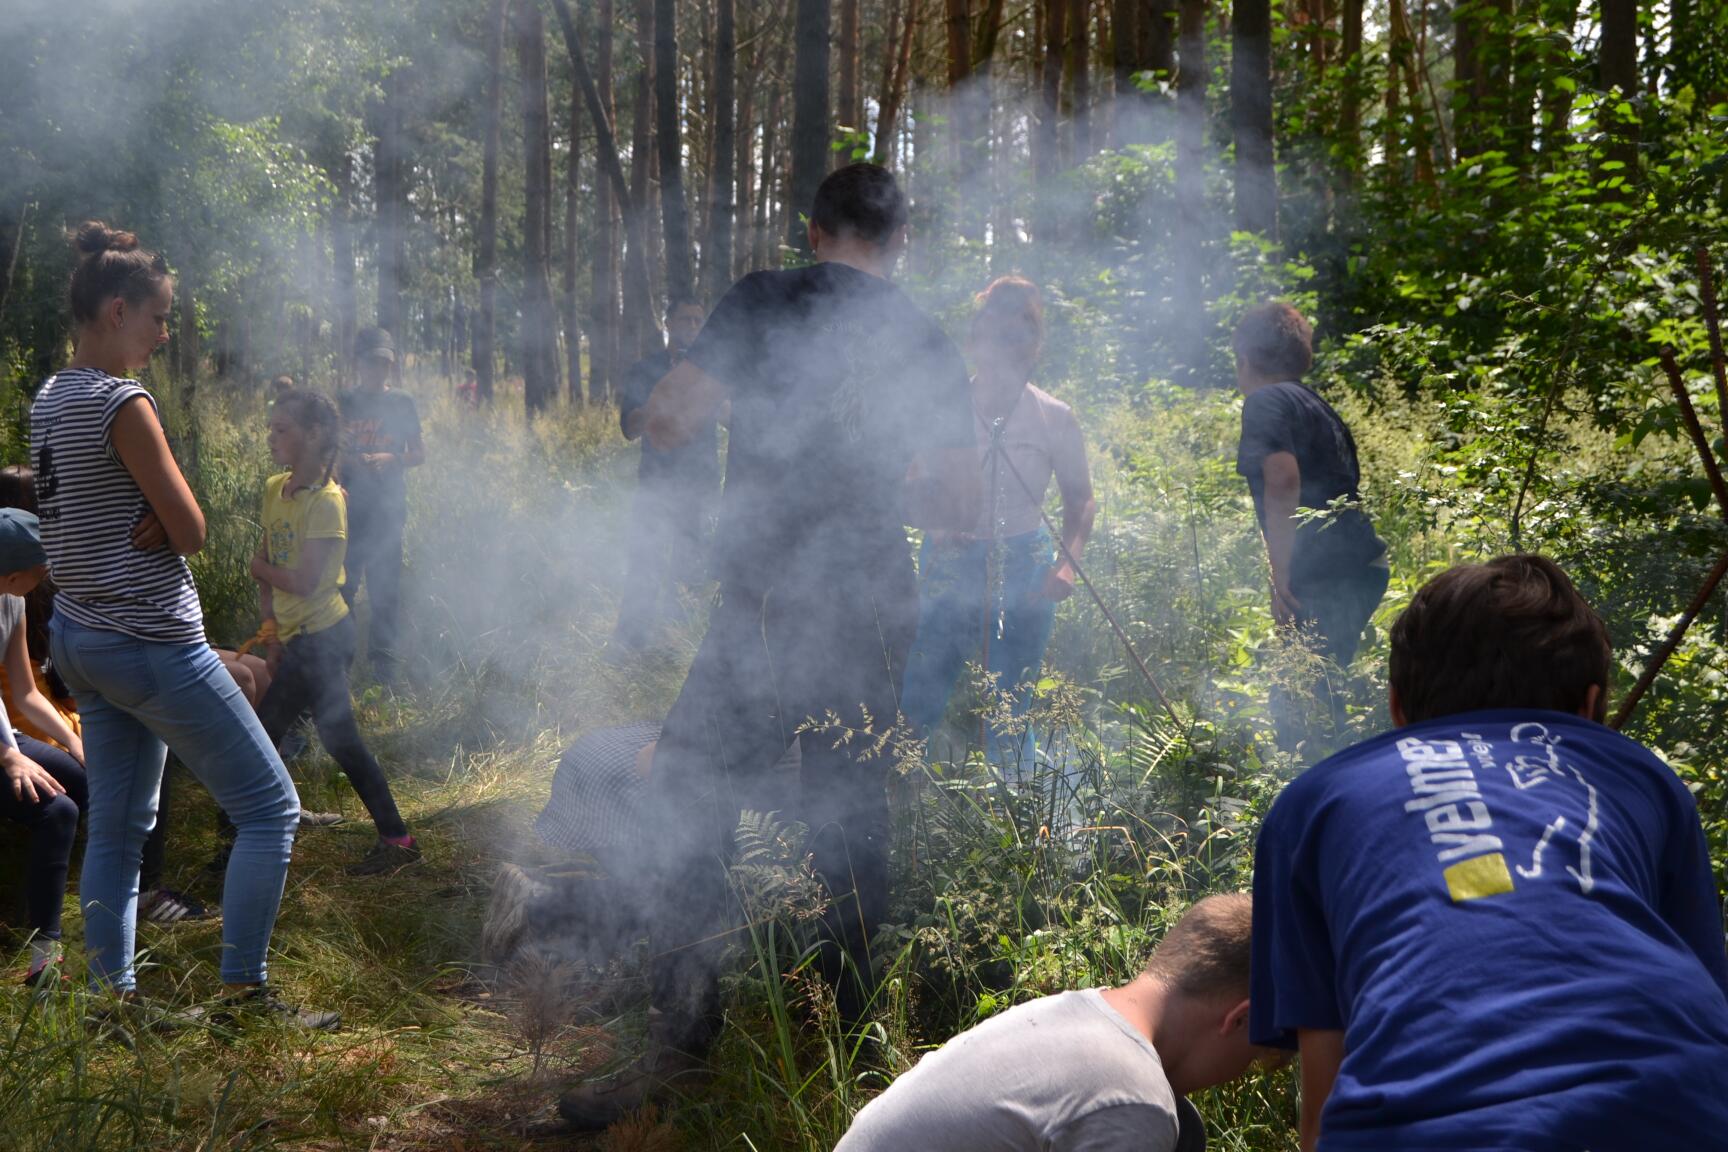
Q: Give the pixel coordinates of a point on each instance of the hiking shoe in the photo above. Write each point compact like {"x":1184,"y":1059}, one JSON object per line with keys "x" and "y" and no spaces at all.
{"x":386,"y":859}
{"x":660,"y":1074}
{"x":48,"y":978}
{"x":123,"y":1017}
{"x":166,"y":906}
{"x":261,"y":1003}
{"x":321,"y":819}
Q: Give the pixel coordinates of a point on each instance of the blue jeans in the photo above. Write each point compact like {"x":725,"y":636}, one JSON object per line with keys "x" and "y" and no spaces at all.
{"x":136,"y":700}
{"x":955,"y":608}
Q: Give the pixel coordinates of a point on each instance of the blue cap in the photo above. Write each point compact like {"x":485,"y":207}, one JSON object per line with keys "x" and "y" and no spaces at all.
{"x":20,"y":541}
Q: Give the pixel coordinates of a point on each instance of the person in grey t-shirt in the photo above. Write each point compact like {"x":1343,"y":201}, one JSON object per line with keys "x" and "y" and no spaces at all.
{"x":1099,"y":1070}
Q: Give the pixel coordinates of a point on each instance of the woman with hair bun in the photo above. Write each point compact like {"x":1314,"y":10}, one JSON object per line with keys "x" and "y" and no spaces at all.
{"x":990,"y":595}
{"x":118,"y":521}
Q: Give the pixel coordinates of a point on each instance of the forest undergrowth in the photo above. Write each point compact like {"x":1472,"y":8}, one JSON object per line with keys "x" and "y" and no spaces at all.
{"x":1012,"y":881}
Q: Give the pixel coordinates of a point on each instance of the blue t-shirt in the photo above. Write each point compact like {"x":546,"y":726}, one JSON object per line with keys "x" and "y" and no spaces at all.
{"x":1511,"y":916}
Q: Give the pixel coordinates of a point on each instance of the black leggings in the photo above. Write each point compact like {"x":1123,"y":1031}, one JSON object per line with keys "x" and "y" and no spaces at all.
{"x":314,"y":675}
{"x":53,"y":825}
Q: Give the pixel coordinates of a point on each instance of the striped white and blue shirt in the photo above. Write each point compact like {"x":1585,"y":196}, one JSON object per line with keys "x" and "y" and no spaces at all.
{"x":89,"y":506}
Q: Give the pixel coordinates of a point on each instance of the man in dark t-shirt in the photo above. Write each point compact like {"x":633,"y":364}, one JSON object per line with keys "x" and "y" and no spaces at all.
{"x":850,"y":417}
{"x":380,"y":442}
{"x":1328,"y":567}
{"x":674,"y":488}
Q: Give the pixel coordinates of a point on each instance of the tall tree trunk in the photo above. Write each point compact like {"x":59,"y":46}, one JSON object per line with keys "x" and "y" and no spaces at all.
{"x":1251,"y":116}
{"x":1350,"y":92}
{"x":717,"y":251}
{"x":896,"y":70}
{"x":185,"y":335}
{"x":744,"y":169}
{"x":1189,"y":351}
{"x":486,"y":259}
{"x":572,"y":203}
{"x":1078,"y":81}
{"x":606,"y":144}
{"x":763,"y":236}
{"x":1046,"y":134}
{"x":539,"y":320}
{"x":809,"y":112}
{"x":13,"y":248}
{"x":603,"y":304}
{"x":1617,"y":61}
{"x":388,"y":191}
{"x":1124,"y":62}
{"x":680,"y":277}
{"x":343,"y":300}
{"x":849,"y":107}
{"x":641,"y":318}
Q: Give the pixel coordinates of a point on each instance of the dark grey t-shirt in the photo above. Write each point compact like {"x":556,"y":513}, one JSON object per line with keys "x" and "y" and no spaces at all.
{"x":1065,"y":1073}
{"x":1290,"y":417}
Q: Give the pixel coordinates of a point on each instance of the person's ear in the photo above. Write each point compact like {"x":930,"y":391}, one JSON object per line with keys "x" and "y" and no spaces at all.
{"x":1234,"y":1020}
{"x":1595,"y":704}
{"x":897,"y":241}
{"x":116,"y":311}
{"x":1396,"y":707}
{"x":814,"y":235}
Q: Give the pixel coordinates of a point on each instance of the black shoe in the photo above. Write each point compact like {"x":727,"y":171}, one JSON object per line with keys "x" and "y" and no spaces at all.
{"x":123,"y":1017}
{"x":217,"y":868}
{"x":166,"y":906}
{"x":662,"y":1073}
{"x":386,"y":859}
{"x":261,"y":1003}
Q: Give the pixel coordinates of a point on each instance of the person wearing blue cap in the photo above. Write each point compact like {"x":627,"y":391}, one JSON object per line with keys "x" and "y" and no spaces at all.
{"x":43,"y":787}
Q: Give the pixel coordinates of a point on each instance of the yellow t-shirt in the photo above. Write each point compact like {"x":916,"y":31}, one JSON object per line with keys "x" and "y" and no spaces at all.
{"x":311,"y":514}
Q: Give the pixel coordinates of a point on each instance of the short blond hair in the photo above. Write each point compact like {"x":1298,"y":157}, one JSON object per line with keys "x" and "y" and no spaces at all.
{"x":1205,"y":954}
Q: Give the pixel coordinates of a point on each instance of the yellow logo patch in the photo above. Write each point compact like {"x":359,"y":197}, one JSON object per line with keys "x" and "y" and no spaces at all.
{"x":1478,"y":877}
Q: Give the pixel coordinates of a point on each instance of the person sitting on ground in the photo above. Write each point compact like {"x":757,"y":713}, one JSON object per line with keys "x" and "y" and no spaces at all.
{"x":674,"y":490}
{"x":118,"y":521}
{"x":1003,"y":578}
{"x":42,"y":786}
{"x":18,"y":490}
{"x":1496,"y":926}
{"x":1099,"y":1070}
{"x":299,"y":572}
{"x":1329,"y":569}
{"x":380,"y":442}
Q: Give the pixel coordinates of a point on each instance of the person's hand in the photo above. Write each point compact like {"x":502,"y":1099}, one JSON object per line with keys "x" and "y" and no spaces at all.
{"x":378,"y":461}
{"x":1059,"y":583}
{"x":1286,"y":609}
{"x":149,"y":535}
{"x":76,"y":748}
{"x":258,"y":566}
{"x":30,"y":781}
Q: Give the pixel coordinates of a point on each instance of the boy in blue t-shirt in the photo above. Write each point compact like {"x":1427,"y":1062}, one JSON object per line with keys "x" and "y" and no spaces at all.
{"x":1497,"y":926}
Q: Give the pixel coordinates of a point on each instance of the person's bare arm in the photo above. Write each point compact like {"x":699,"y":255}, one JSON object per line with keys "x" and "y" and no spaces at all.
{"x":1079,"y":510}
{"x":143,"y":450}
{"x":414,"y":454}
{"x":945,"y":491}
{"x":302,"y":579}
{"x":1282,"y":495}
{"x":684,"y":400}
{"x":31,"y":704}
{"x":1322,"y":1051}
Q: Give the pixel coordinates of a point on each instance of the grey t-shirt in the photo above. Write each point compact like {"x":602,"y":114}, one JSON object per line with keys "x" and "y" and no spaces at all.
{"x":11,"y":619}
{"x":1065,"y":1073}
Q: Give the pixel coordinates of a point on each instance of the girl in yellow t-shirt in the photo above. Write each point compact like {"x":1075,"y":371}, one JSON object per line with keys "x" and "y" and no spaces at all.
{"x":299,"y":572}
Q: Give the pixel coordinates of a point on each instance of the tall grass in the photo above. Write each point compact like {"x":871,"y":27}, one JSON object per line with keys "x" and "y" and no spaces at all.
{"x":1010,"y":881}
